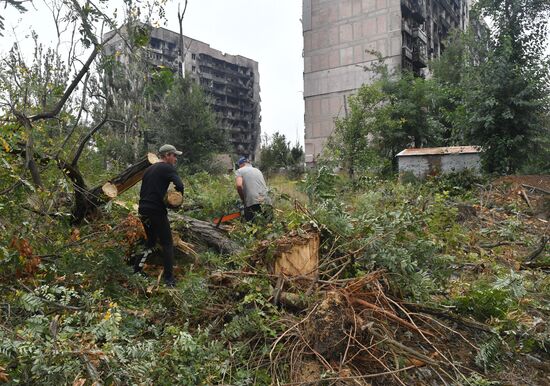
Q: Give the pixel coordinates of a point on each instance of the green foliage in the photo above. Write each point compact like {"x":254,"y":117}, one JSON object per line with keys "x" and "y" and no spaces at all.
{"x":276,"y":153}
{"x":320,"y":183}
{"x":185,"y":120}
{"x":498,"y":97}
{"x":350,"y":142}
{"x":490,"y":352}
{"x":455,"y":183}
{"x":492,"y":300}
{"x":212,"y":197}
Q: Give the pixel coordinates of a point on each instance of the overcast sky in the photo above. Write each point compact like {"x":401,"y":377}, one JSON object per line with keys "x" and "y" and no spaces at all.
{"x":267,"y":31}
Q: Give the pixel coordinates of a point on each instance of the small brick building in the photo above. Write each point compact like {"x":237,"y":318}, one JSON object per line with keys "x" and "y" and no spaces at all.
{"x":422,"y":162}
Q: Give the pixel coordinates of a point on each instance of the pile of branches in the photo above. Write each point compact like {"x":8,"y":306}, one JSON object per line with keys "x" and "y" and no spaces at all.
{"x":358,"y":335}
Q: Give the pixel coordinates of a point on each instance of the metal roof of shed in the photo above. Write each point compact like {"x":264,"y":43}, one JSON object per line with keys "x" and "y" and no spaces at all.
{"x":439,"y":150}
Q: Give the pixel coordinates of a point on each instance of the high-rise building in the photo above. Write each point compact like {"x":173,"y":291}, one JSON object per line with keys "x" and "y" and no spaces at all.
{"x":232,"y":82}
{"x":341,"y":39}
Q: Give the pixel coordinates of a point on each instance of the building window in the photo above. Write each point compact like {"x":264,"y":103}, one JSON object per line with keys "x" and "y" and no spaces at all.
{"x":193,"y":69}
{"x":193,"y":56}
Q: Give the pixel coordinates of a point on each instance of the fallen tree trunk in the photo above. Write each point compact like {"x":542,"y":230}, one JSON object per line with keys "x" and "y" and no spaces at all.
{"x":204,"y":232}
{"x":87,"y":201}
{"x":126,"y":179}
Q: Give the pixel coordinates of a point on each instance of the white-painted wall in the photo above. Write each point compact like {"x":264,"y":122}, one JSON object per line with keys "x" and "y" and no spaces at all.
{"x":421,"y":166}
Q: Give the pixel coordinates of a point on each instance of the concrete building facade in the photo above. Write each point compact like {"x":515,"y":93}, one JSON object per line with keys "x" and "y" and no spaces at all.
{"x":341,"y":39}
{"x":232,"y":82}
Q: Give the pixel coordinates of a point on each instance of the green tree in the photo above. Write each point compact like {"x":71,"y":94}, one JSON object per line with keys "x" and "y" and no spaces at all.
{"x":494,"y":87}
{"x":352,"y":140}
{"x":511,"y":101}
{"x":185,"y":119}
{"x":276,"y":153}
{"x":391,"y":114}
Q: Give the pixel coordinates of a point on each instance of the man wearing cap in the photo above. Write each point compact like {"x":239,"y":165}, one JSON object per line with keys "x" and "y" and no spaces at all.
{"x":252,"y":190}
{"x":152,"y":209}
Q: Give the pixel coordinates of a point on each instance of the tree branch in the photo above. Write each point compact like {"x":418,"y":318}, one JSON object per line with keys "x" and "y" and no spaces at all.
{"x":52,"y":113}
{"x":77,"y":117}
{"x":86,"y":139}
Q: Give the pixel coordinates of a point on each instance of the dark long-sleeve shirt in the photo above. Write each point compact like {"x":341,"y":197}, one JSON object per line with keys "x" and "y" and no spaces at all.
{"x":154,"y":186}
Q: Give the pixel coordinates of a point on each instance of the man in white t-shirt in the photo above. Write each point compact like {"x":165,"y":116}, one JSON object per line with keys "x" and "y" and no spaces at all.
{"x":252,"y":190}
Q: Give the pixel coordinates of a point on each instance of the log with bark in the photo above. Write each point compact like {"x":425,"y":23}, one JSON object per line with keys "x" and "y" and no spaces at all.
{"x":204,"y":232}
{"x":87,"y":201}
{"x":126,"y":179}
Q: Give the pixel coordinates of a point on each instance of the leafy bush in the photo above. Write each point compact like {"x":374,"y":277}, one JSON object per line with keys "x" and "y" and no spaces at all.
{"x":455,"y":183}
{"x":485,"y":301}
{"x":320,"y":183}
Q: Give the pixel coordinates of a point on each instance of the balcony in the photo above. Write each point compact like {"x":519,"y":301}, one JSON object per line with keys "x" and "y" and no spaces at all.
{"x":419,"y":56}
{"x":407,"y":52}
{"x":406,"y":27}
{"x":420,"y":34}
{"x":414,"y":8}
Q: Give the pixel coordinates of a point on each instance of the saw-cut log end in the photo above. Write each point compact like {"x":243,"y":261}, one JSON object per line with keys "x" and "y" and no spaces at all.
{"x":173,"y":199}
{"x":152,"y":158}
{"x":110,"y":190}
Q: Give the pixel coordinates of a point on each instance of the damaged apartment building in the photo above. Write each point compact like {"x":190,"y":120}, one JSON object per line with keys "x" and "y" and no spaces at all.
{"x":341,"y":38}
{"x":231,"y":82}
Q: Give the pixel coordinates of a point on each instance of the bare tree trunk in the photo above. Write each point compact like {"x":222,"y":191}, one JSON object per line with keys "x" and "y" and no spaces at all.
{"x":30,"y":163}
{"x":182,"y":47}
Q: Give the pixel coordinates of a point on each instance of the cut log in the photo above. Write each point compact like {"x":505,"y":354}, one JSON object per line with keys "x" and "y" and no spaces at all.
{"x":134,"y":173}
{"x":125,"y":180}
{"x":87,"y":201}
{"x":204,"y":232}
{"x":173,"y":199}
{"x":110,"y":190}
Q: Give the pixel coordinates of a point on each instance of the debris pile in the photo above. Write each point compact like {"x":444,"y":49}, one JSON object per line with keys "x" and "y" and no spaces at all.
{"x":356,"y":334}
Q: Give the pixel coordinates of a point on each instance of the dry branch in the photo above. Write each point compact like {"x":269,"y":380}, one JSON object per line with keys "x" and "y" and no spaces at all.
{"x":533,"y":255}
{"x":449,"y":315}
{"x":535,"y":188}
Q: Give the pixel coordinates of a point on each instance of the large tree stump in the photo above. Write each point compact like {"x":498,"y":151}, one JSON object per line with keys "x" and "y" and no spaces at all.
{"x":298,"y":255}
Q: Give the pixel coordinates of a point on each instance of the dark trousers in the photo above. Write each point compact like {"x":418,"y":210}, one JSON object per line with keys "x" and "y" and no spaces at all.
{"x":157,"y":227}
{"x":254,"y":211}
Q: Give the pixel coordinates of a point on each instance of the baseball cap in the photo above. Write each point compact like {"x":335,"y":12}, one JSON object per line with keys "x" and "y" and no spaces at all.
{"x":242,"y":160}
{"x":169,"y":149}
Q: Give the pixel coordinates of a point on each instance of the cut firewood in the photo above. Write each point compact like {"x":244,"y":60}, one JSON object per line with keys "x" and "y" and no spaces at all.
{"x":173,"y":199}
{"x":110,"y":190}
